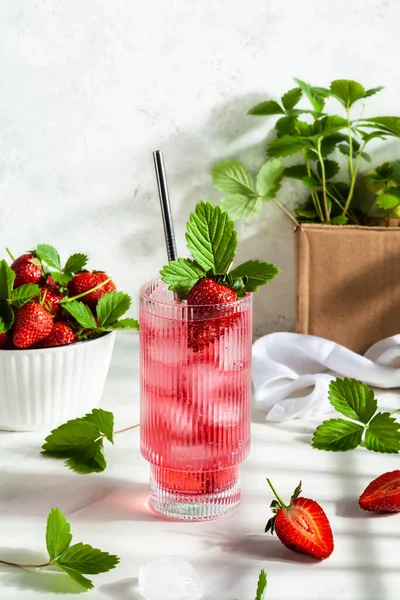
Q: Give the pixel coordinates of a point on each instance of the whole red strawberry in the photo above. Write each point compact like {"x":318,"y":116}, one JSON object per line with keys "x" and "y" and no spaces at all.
{"x":60,"y":335}
{"x":382,"y":494}
{"x":27,"y":269}
{"x":209,"y":321}
{"x":84,"y":281}
{"x":32,"y":324}
{"x":50,"y":297}
{"x":302,"y":526}
{"x":5,"y":339}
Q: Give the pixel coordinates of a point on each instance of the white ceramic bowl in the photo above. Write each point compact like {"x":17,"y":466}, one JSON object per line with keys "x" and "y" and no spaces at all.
{"x":42,"y":388}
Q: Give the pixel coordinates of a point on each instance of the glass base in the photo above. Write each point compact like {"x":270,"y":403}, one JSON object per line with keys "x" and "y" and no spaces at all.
{"x":194,"y":496}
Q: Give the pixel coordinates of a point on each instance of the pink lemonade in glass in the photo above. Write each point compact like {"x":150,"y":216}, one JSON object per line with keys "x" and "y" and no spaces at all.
{"x":195,"y":401}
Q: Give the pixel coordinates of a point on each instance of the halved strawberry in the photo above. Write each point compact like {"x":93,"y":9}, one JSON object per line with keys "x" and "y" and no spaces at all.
{"x":209,"y":322}
{"x":302,"y":525}
{"x":382,"y":494}
{"x":32,"y":324}
{"x":60,"y":335}
{"x":84,"y":281}
{"x":27,"y":269}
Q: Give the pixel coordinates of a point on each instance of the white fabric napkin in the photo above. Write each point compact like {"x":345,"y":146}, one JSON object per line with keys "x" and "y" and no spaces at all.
{"x":291,"y":371}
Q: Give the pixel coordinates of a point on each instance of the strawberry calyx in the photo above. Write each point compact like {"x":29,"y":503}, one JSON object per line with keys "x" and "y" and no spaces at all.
{"x":237,"y":285}
{"x":278,"y":504}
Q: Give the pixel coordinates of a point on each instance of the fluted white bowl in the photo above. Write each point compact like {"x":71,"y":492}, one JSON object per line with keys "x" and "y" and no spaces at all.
{"x":42,"y":388}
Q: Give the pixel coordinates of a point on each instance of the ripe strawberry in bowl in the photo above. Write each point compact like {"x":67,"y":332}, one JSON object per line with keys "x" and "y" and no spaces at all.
{"x":55,"y":350}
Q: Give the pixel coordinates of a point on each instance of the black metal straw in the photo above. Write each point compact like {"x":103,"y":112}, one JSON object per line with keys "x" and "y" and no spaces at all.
{"x":165,"y":205}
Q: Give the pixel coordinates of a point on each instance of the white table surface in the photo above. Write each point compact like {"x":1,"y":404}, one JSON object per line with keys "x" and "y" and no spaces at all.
{"x":109,"y":511}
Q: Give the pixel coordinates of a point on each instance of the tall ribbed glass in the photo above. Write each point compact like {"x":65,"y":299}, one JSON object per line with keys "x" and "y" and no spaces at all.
{"x":195,"y":402}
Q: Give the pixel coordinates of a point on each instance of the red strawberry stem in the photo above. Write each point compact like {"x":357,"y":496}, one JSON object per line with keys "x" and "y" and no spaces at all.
{"x":126,"y":429}
{"x":11,"y":564}
{"x":276,"y":494}
{"x":10,"y":255}
{"x":87,"y":292}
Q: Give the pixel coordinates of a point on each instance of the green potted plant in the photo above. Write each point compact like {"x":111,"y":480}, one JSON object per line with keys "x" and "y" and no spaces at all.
{"x":345,"y":262}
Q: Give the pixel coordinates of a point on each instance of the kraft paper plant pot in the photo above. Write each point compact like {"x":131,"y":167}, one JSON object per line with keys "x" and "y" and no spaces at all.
{"x":42,"y":388}
{"x":348,"y":283}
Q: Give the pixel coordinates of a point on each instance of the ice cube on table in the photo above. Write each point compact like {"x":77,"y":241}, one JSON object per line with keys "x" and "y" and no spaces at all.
{"x":169,"y":578}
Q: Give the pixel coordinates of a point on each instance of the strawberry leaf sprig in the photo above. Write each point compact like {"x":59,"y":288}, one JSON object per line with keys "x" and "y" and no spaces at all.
{"x":10,"y":297}
{"x":212,"y":241}
{"x":364,"y":426}
{"x":75,"y":560}
{"x":109,"y":309}
{"x":51,"y":263}
{"x":80,"y":441}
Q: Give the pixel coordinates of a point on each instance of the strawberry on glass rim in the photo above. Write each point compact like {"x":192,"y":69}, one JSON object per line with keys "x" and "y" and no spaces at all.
{"x":208,"y":279}
{"x":301,"y":525}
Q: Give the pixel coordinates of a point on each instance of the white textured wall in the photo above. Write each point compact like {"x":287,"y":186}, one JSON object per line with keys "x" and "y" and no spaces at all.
{"x":88,"y":88}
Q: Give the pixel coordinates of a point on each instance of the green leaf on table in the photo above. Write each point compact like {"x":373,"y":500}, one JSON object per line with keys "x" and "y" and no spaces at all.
{"x":353,"y":399}
{"x":286,"y":125}
{"x":347,"y":91}
{"x":240,"y":207}
{"x":287,"y":145}
{"x":269,"y":107}
{"x":382,"y":434}
{"x":181,"y":275}
{"x":231,"y":177}
{"x":104,"y":421}
{"x":7,"y":278}
{"x":269,"y":178}
{"x":6,"y":316}
{"x":58,"y":536}
{"x":111,"y":307}
{"x":88,"y":560}
{"x":387,"y":201}
{"x":82,"y":313}
{"x":75,"y":263}
{"x":332,"y":168}
{"x":126,"y":324}
{"x":291,"y":98}
{"x":211,"y":237}
{"x":337,"y":435}
{"x":261,"y":585}
{"x":22,"y":294}
{"x":339,"y":220}
{"x":313,"y":96}
{"x":88,"y":460}
{"x":49,"y":255}
{"x":257,"y":273}
{"x":80,"y":441}
{"x":76,"y":576}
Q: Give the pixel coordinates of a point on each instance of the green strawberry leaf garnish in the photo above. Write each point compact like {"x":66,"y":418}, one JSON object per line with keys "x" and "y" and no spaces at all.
{"x":211,"y":237}
{"x":81,"y":313}
{"x":377,"y":431}
{"x":49,"y":255}
{"x":7,"y":278}
{"x":181,"y":275}
{"x":75,"y":263}
{"x":111,"y":307}
{"x":80,"y":441}
{"x":22,"y":294}
{"x":256,"y":273}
